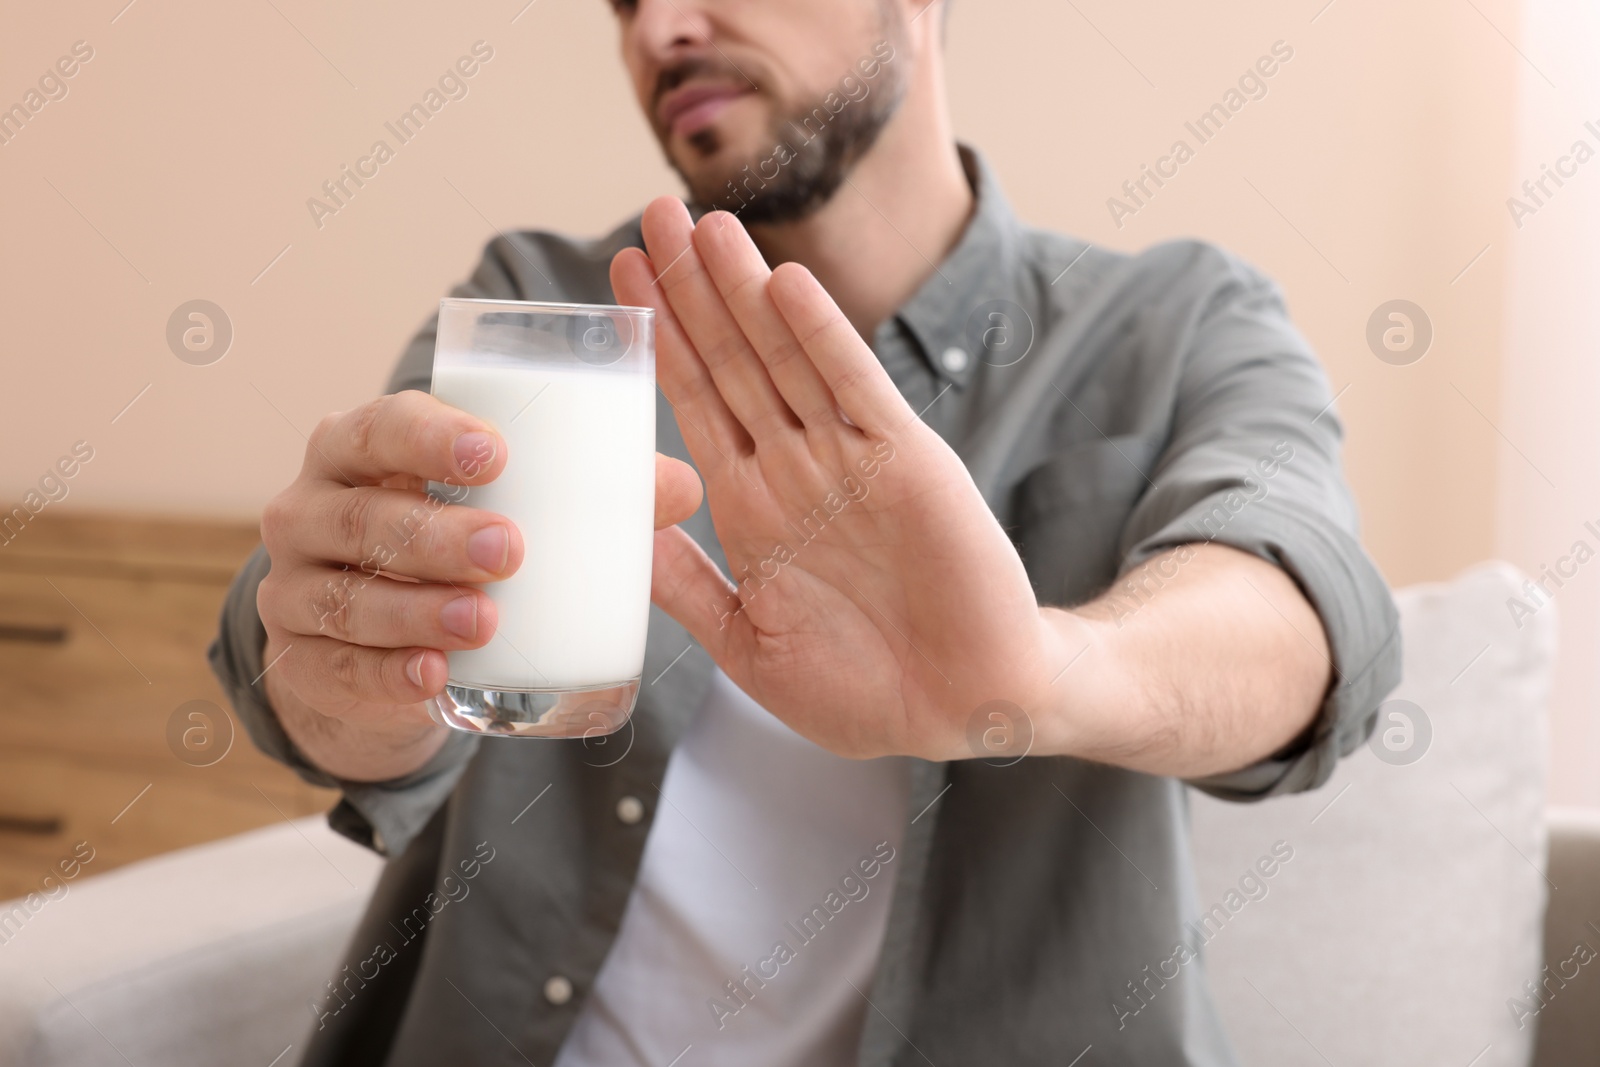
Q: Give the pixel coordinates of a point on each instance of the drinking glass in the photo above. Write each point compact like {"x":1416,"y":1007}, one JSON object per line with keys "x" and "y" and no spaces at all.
{"x":571,"y":390}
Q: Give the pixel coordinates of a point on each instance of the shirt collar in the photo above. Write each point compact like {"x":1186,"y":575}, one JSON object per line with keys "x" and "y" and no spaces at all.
{"x":967,"y":309}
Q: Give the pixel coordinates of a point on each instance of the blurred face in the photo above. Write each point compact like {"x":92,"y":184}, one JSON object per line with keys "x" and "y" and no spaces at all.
{"x":764,"y":106}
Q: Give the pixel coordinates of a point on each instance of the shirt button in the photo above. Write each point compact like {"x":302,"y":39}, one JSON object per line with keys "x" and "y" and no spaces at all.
{"x":630,"y":810}
{"x":954,"y":360}
{"x":558,"y":990}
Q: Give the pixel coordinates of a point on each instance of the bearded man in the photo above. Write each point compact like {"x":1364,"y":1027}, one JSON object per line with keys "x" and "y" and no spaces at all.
{"x":917,"y":795}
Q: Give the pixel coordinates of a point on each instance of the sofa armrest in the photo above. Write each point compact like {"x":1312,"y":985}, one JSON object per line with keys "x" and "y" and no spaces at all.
{"x":1569,"y":1020}
{"x":206,"y":955}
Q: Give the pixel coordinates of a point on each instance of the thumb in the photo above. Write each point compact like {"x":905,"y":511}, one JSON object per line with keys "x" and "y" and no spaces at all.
{"x":678,"y":491}
{"x":688,"y":586}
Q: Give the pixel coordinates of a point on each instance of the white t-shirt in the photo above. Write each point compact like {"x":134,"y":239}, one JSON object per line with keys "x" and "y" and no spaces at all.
{"x":764,"y":888}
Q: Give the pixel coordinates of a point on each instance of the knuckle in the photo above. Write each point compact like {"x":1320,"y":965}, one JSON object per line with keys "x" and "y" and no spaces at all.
{"x":785,"y":353}
{"x":689,"y":271}
{"x":345,"y":667}
{"x":443,"y":535}
{"x":275,"y":523}
{"x":850,"y":379}
{"x":365,"y":422}
{"x":324,"y":427}
{"x":352,"y":517}
{"x":268,"y":597}
{"x":401,"y":613}
{"x":724,"y":350}
{"x":822,"y":413}
{"x":738,"y":288}
{"x":416,"y":531}
{"x":333,"y":610}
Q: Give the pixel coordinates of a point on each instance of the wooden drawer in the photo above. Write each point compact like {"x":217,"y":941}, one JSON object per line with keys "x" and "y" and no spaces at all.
{"x":52,"y":802}
{"x":130,"y":652}
{"x":102,"y":659}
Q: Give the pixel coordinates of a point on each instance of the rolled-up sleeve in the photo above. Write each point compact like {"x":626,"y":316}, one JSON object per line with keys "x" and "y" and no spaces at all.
{"x":1252,"y":461}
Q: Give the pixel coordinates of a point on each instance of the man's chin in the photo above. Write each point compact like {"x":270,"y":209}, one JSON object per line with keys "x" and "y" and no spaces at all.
{"x":709,"y":175}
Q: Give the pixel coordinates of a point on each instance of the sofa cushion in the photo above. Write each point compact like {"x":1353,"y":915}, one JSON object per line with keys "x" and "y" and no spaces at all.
{"x":1410,"y":910}
{"x":203,"y":956}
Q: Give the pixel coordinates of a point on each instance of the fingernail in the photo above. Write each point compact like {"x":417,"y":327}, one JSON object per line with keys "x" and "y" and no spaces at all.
{"x":474,"y":451}
{"x":460,"y":617}
{"x":414,"y":668}
{"x":490,"y":548}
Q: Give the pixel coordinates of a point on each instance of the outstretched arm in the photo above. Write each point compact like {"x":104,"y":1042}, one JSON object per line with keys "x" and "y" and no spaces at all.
{"x":875,"y":604}
{"x":1216,"y":662}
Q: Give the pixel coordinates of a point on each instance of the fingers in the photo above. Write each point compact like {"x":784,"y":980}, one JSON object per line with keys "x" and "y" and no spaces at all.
{"x":713,"y":436}
{"x":703,"y":315}
{"x":375,"y":610}
{"x":406,"y":433}
{"x":688,"y":586}
{"x":848,"y":367}
{"x":398,"y":530}
{"x":342,"y":673}
{"x":735,"y":266}
{"x":678,"y":491}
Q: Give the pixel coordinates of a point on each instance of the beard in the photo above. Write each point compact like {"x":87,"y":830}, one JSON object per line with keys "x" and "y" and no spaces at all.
{"x":813,"y":148}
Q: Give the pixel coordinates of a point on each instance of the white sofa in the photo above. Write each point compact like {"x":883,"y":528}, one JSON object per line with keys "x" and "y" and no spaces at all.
{"x":1408,"y":916}
{"x":205,"y":956}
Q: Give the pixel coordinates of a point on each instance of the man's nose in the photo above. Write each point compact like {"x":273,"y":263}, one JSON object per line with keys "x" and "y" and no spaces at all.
{"x":664,"y":29}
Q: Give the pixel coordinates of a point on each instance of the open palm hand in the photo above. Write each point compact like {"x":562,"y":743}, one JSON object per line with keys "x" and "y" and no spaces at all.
{"x":876,"y":602}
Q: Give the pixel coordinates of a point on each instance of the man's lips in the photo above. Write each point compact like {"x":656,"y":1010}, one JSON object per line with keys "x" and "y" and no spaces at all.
{"x":693,"y":107}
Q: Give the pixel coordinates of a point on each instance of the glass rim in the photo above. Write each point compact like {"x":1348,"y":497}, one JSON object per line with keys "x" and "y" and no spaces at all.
{"x":544,"y":307}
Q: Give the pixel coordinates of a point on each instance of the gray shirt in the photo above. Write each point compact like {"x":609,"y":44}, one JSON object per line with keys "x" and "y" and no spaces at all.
{"x":1109,"y":407}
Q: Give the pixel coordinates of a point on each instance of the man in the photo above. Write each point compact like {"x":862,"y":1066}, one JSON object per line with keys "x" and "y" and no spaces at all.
{"x":909,"y":788}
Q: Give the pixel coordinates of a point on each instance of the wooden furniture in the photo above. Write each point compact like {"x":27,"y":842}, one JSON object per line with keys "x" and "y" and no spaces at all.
{"x":113,"y":730}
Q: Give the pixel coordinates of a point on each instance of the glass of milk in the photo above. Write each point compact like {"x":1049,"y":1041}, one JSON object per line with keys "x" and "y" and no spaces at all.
{"x":571,"y":389}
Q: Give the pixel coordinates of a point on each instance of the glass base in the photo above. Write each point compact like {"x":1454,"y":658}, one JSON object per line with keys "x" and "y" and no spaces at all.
{"x":592,"y":711}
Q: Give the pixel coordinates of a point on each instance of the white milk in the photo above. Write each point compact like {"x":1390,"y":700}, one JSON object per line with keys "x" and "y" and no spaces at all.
{"x":580,"y":485}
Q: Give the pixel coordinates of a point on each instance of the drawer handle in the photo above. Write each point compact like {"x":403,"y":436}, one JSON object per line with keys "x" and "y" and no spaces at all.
{"x":39,"y":635}
{"x":43,"y":825}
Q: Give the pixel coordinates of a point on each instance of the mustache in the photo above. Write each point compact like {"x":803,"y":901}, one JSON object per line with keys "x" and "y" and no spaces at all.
{"x":713,"y":68}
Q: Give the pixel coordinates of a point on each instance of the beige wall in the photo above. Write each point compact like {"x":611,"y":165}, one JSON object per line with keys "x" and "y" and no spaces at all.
{"x":1361,"y":148}
{"x":192,"y":142}
{"x":197,"y":133}
{"x":1376,"y":167}
{"x":1550,"y":376}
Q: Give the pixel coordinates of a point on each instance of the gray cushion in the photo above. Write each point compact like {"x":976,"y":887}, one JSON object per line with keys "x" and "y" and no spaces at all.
{"x":1412,"y":907}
